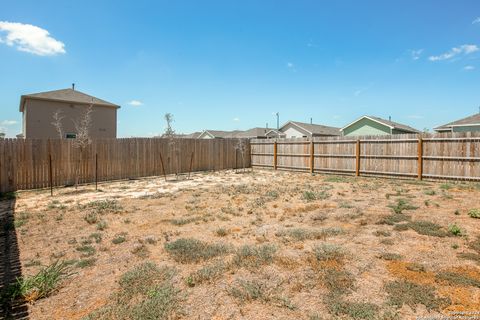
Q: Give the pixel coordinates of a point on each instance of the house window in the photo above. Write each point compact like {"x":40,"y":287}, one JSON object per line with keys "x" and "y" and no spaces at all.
{"x":70,"y":135}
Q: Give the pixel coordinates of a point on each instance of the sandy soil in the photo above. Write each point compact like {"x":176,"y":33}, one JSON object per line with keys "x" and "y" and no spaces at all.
{"x":258,"y":207}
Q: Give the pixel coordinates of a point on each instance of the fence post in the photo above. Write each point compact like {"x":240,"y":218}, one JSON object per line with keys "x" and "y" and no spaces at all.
{"x":420,"y":158}
{"x":96,"y":171}
{"x":357,"y":159}
{"x":275,"y":155}
{"x":50,"y":178}
{"x":50,"y":171}
{"x":312,"y":159}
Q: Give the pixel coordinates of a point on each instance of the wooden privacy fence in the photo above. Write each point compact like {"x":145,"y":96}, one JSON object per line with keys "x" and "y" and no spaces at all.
{"x":31,"y":164}
{"x":435,"y":156}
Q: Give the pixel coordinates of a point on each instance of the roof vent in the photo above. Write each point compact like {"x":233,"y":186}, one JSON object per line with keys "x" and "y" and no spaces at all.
{"x":73,"y":86}
{"x":389,"y":118}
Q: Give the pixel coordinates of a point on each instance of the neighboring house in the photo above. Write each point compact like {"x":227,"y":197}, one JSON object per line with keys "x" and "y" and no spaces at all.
{"x":193,"y":135}
{"x":254,"y":133}
{"x":217,"y":134}
{"x":38,"y":110}
{"x":471,"y":123}
{"x":369,"y":125}
{"x":294,"y":129}
{"x":272,"y":134}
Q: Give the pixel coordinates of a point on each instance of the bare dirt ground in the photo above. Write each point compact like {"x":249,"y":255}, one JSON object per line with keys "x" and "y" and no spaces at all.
{"x":256,"y":245}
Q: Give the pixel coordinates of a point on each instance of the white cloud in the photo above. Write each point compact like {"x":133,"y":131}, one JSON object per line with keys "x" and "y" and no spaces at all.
{"x":469,"y":68}
{"x":290,"y":66}
{"x":29,"y":38}
{"x":463,"y":49}
{"x":236,"y":119}
{"x":9,"y":122}
{"x":311,"y":44}
{"x":415,"y":54}
{"x":477,"y":20}
{"x":135,"y":103}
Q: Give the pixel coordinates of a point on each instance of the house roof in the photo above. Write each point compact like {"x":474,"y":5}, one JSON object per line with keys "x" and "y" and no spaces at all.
{"x":275,"y":131}
{"x":315,"y":129}
{"x":220,"y":133}
{"x":471,"y":120}
{"x":253,"y":133}
{"x":193,"y":135}
{"x":250,"y":133}
{"x":66,"y":95}
{"x":388,"y":123}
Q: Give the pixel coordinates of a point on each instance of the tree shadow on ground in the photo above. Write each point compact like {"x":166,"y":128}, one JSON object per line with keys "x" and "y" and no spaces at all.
{"x":10,"y":267}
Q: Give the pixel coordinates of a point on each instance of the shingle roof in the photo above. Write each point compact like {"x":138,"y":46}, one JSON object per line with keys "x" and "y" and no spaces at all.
{"x":395,"y":125}
{"x":66,"y":95}
{"x":254,"y":132}
{"x":388,"y":123}
{"x":193,"y":135}
{"x":474,"y":119}
{"x":250,"y":133}
{"x":317,"y":129}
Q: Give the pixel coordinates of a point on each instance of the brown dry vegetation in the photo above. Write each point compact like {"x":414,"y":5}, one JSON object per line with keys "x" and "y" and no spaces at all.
{"x":257,"y":245}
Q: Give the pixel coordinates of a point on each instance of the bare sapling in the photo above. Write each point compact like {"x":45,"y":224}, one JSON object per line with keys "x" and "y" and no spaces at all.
{"x":241,"y":147}
{"x":82,"y":140}
{"x":172,"y":142}
{"x":57,"y":122}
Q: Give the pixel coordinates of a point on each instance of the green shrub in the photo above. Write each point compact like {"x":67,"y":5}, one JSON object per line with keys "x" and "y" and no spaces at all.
{"x":394,"y":218}
{"x":474,"y":213}
{"x":207,"y":273}
{"x":39,"y":286}
{"x":401,"y":205}
{"x":427,"y":228}
{"x":146,"y":292}
{"x":188,"y":250}
{"x":91,"y":218}
{"x":103,"y":206}
{"x":254,"y":256}
{"x":457,"y":279}
{"x":300,"y":234}
{"x":446,"y":186}
{"x":264,"y":290}
{"x":390,"y":256}
{"x":309,"y":196}
{"x":102,"y":225}
{"x":382,"y":233}
{"x":86,"y":250}
{"x":221,"y":232}
{"x":455,"y":230}
{"x":84,"y":263}
{"x":119,"y":238}
{"x":184,"y":221}
{"x":141,"y":250}
{"x":337,"y":281}
{"x":96,"y":236}
{"x":411,"y":294}
{"x":355,"y":310}
{"x":326,"y":251}
{"x":469,"y":256}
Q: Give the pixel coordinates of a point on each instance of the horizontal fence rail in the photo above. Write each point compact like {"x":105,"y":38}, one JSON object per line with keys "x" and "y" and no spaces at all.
{"x":435,"y":156}
{"x":31,"y":164}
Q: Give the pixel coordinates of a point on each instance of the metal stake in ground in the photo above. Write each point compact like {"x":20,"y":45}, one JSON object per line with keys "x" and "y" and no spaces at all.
{"x":191,"y":163}
{"x":163,"y":167}
{"x":50,"y":178}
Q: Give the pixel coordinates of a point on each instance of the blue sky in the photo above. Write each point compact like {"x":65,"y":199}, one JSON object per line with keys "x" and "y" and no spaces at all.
{"x":232,"y":64}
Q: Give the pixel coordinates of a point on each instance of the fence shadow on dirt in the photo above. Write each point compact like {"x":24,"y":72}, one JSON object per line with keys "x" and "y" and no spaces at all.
{"x":10,"y":267}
